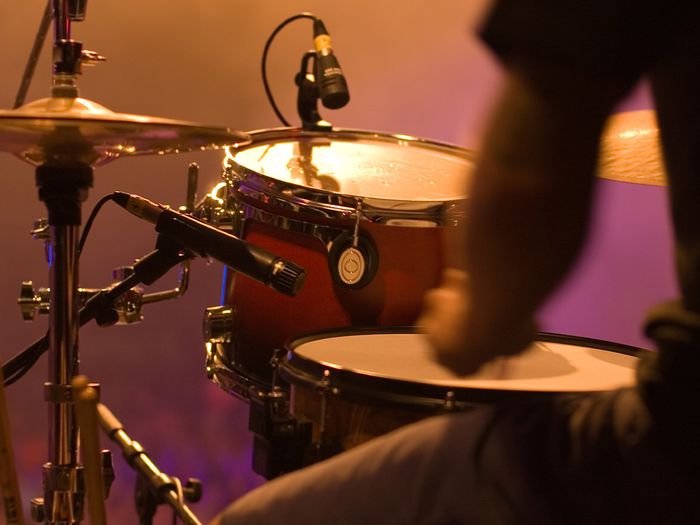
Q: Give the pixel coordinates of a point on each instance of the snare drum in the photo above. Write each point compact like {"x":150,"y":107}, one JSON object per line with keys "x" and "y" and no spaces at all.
{"x":356,"y":385}
{"x":363,"y":213}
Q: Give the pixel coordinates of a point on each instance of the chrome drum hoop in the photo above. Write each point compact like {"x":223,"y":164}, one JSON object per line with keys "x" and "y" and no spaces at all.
{"x":314,"y":204}
{"x":224,"y":209}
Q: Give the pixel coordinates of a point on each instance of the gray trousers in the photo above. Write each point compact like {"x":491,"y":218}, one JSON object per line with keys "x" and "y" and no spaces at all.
{"x":567,"y":459}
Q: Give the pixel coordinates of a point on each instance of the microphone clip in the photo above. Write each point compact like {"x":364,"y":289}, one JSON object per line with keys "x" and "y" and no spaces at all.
{"x":308,"y":97}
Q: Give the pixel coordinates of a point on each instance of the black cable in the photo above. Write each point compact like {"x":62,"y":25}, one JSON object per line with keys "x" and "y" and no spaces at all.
{"x":34,"y":55}
{"x":147,"y":270}
{"x":20,"y":364}
{"x":91,"y":219}
{"x":264,"y":61}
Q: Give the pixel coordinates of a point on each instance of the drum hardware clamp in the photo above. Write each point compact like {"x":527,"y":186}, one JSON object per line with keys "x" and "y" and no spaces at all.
{"x":128,"y":306}
{"x":224,"y":213}
{"x":42,"y":232}
{"x":217,"y":329}
{"x":215,"y":208}
{"x":280,"y":440}
{"x":126,"y":309}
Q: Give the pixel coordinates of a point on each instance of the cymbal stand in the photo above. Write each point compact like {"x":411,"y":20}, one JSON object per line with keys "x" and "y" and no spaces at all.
{"x":68,"y":54}
{"x":63,"y":187}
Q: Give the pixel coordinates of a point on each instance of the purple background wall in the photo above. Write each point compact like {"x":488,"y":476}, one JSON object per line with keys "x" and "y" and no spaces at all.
{"x":411,"y":70}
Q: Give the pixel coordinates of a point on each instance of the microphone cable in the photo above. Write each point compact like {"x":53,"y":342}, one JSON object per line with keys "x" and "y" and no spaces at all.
{"x":91,"y":219}
{"x":16,"y":367}
{"x":266,"y":49}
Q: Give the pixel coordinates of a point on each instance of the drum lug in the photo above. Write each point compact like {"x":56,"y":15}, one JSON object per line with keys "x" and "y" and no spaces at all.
{"x":275,"y":365}
{"x":449,"y":403}
{"x":324,"y":388}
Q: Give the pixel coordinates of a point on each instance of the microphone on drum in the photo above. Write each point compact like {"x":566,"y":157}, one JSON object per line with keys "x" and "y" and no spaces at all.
{"x":332,"y":87}
{"x":205,"y":240}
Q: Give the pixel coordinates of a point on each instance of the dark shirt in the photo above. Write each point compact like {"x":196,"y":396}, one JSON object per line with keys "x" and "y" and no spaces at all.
{"x":613,"y":37}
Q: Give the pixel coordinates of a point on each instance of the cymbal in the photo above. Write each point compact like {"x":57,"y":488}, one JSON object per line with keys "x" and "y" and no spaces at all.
{"x":630,"y":150}
{"x":78,"y":130}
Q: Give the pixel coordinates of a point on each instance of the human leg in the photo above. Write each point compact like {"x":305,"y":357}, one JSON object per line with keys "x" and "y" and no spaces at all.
{"x":420,"y":474}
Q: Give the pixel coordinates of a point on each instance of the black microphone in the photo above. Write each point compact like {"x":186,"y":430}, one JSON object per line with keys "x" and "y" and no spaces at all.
{"x":331,"y":82}
{"x":203,"y":239}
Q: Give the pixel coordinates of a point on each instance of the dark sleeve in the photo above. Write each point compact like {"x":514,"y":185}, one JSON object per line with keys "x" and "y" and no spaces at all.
{"x":611,"y":37}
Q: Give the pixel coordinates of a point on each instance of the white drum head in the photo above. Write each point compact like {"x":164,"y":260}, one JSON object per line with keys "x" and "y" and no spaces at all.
{"x":362,"y":164}
{"x":568,"y":365}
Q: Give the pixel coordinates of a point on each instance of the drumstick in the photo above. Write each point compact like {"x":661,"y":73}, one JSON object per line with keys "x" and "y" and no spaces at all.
{"x":85,"y":399}
{"x":9,"y":487}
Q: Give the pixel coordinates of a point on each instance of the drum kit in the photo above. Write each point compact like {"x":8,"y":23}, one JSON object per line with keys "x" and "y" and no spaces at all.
{"x":324,"y":366}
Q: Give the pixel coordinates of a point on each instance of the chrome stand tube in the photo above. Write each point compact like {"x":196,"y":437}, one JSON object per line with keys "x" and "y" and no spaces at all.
{"x":63,"y":366}
{"x":63,"y":188}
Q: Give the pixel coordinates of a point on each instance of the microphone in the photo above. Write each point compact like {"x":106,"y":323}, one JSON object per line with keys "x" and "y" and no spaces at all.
{"x":259,"y":264}
{"x":331,"y":82}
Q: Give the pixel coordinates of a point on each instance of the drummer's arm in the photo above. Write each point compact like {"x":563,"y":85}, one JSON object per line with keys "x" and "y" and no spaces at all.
{"x":529,"y":206}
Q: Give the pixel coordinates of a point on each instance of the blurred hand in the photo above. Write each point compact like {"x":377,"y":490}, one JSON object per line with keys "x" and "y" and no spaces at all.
{"x":462,"y":340}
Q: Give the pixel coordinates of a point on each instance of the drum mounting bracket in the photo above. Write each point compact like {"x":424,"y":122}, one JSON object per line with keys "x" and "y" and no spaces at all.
{"x":280,"y":441}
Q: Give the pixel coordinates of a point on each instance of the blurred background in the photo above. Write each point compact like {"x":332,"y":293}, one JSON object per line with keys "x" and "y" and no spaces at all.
{"x":411,"y":69}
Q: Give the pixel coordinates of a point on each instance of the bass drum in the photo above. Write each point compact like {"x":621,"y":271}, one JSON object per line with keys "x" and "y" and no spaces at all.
{"x":364,"y":213}
{"x":356,"y":385}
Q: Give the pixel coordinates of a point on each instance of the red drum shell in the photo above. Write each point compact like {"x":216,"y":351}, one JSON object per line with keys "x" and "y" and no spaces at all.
{"x":264,"y":319}
{"x":407,"y":232}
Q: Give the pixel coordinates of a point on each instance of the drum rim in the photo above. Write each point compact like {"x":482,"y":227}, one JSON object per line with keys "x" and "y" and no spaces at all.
{"x":283,"y":132}
{"x":258,"y":186}
{"x":385,"y":391}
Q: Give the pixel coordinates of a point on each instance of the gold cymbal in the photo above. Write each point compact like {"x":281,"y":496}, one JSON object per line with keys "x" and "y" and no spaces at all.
{"x":78,"y":130}
{"x":630,"y":150}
